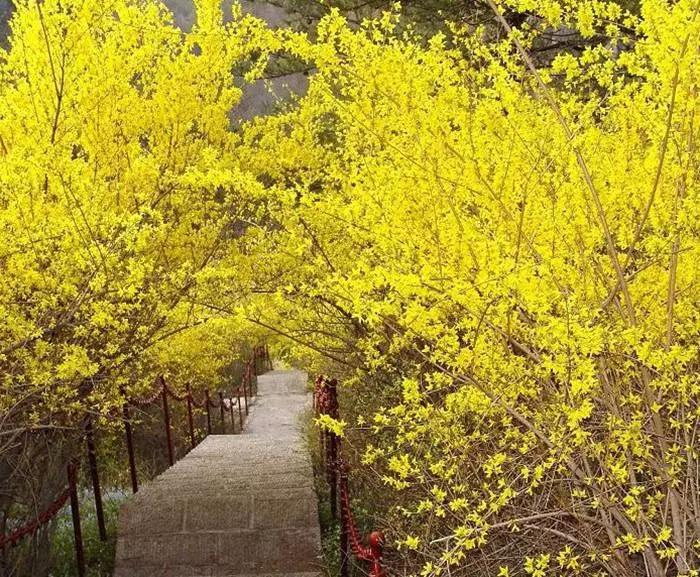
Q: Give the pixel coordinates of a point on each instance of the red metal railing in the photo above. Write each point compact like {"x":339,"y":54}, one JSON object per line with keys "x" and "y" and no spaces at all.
{"x":326,"y":403}
{"x":163,"y":393}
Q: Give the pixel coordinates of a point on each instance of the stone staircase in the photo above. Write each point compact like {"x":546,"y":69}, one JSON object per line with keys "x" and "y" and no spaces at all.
{"x":236,"y":505}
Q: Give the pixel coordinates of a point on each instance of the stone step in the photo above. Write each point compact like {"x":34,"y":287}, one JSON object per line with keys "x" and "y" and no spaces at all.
{"x":239,"y":552}
{"x":262,"y":509}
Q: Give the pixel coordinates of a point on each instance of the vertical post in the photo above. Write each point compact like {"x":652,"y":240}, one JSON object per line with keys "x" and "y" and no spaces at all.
{"x":240,"y":410}
{"x":331,"y":462}
{"x":190,"y":420}
{"x":221,"y":410}
{"x":207,"y":400}
{"x":344,"y":549}
{"x":75,"y":514}
{"x":333,"y":443}
{"x":233,"y":417}
{"x":253,"y":380}
{"x":168,"y":431}
{"x":130,"y":447}
{"x":94,"y":474}
{"x":246,"y":383}
{"x":318,"y":393}
{"x":323,"y":446}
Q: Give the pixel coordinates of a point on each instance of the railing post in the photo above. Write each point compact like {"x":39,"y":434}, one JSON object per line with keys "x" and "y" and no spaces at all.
{"x":318,"y":385}
{"x":94,"y":474}
{"x":326,"y":403}
{"x":344,"y":545}
{"x":130,"y":446}
{"x":233,"y":417}
{"x":245,"y":390}
{"x":240,"y":409}
{"x":190,"y":420}
{"x":331,"y":462}
{"x":75,"y":514}
{"x":166,"y":418}
{"x":332,"y":442}
{"x":254,"y":384}
{"x":221,"y":411}
{"x":207,"y":400}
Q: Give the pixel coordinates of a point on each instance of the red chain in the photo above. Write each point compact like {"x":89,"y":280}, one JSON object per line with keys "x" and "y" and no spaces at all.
{"x":371,"y":552}
{"x":172,"y":394}
{"x":35,"y":524}
{"x":196,"y":403}
{"x":148,"y":400}
{"x":326,"y":403}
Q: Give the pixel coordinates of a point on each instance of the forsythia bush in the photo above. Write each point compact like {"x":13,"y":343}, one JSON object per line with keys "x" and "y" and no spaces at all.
{"x":114,"y":203}
{"x":115,"y":208}
{"x":498,"y":253}
{"x":511,"y":249}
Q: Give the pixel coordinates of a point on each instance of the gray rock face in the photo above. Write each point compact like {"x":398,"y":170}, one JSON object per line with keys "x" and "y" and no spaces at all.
{"x":260,"y":97}
{"x":236,"y":505}
{"x":185,"y":14}
{"x":5,"y":14}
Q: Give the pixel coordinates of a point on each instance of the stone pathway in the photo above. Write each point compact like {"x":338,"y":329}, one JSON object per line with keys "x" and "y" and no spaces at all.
{"x":236,"y":504}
